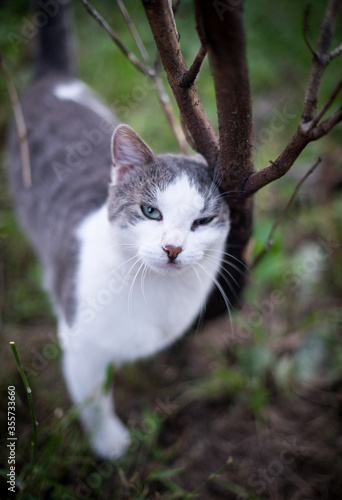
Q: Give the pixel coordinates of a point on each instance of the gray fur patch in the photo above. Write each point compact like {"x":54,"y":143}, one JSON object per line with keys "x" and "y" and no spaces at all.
{"x":70,"y":160}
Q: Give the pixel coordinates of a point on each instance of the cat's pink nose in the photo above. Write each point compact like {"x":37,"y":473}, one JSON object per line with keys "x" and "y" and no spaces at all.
{"x":172,"y":251}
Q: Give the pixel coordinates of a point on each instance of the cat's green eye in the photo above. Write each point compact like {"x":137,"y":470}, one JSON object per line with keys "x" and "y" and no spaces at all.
{"x":202,"y":222}
{"x":151,"y":212}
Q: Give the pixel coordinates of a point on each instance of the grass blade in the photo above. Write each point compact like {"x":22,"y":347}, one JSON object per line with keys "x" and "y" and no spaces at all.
{"x":29,"y":395}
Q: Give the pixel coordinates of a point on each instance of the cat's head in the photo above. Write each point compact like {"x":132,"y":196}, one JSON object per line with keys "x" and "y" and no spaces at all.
{"x":167,"y":207}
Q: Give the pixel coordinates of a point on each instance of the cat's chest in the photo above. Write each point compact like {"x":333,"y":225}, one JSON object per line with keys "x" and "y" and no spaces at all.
{"x":126,"y":297}
{"x":136,"y":317}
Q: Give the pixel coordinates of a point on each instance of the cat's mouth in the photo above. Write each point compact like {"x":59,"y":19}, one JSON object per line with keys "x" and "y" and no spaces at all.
{"x":168,"y":267}
{"x":173,"y":265}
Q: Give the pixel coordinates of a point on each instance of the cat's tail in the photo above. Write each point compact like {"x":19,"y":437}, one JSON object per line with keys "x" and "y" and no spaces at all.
{"x":52,"y":49}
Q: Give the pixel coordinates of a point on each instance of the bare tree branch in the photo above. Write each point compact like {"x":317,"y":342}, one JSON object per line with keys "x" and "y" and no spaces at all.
{"x":166,"y":106}
{"x":147,"y":70}
{"x":230,"y":156}
{"x":93,"y":12}
{"x":308,"y":129}
{"x":225,"y":40}
{"x":190,"y":77}
{"x":280,"y":166}
{"x":134,"y":32}
{"x":158,"y":83}
{"x":223,"y":36}
{"x":325,"y":127}
{"x":305,"y":29}
{"x":187,"y":135}
{"x":20,"y":124}
{"x":328,"y":103}
{"x":162,"y":23}
{"x":320,"y":60}
{"x":336,"y":52}
{"x":277,"y":222}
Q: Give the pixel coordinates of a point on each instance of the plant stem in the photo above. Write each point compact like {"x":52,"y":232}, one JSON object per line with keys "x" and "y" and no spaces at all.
{"x":210,"y":478}
{"x":29,"y":395}
{"x":20,"y":124}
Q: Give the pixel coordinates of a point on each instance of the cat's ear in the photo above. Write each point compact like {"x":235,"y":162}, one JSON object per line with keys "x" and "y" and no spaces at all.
{"x":129,"y":151}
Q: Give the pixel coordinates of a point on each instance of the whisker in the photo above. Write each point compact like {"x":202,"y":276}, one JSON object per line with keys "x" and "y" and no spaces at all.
{"x":234,"y":266}
{"x":130,"y":292}
{"x":113,"y":271}
{"x":232,"y":257}
{"x":213,"y":187}
{"x":229,"y":284}
{"x":227,"y":280}
{"x":142,"y":281}
{"x":203,"y":305}
{"x":123,"y":245}
{"x":224,"y":296}
{"x":223,"y":269}
{"x":236,"y":245}
{"x":238,"y":194}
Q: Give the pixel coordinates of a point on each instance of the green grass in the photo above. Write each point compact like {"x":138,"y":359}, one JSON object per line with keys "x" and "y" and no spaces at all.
{"x":286,"y":337}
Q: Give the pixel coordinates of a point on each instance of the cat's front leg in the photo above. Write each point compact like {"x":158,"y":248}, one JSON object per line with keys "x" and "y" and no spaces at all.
{"x":85,"y":376}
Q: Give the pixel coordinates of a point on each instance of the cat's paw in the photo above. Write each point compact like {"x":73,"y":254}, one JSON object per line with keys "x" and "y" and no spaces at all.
{"x":111,"y":440}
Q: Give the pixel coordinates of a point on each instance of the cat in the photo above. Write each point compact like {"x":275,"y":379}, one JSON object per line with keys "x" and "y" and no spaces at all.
{"x":130,"y":242}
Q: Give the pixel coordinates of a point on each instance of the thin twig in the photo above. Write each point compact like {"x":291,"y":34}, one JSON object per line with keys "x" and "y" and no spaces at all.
{"x":212,"y":476}
{"x":166,"y":106}
{"x":93,"y":12}
{"x":275,"y":225}
{"x":328,"y":103}
{"x":190,"y":77}
{"x":158,"y":83}
{"x":20,"y":124}
{"x":187,"y":134}
{"x":164,"y":30}
{"x":308,"y":129}
{"x":324,"y":127}
{"x":147,"y":70}
{"x":319,"y":63}
{"x":134,"y":32}
{"x":175,"y":6}
{"x":226,"y":45}
{"x":305,"y":29}
{"x":336,"y":52}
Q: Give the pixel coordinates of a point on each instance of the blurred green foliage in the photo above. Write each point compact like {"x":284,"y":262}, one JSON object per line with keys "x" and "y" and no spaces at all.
{"x":296,"y":290}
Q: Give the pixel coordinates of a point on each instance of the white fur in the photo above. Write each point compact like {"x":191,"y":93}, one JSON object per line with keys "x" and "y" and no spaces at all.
{"x":132,"y":302}
{"x":79,"y":92}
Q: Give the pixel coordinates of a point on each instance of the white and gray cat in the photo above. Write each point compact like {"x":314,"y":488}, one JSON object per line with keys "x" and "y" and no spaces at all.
{"x":130,"y":242}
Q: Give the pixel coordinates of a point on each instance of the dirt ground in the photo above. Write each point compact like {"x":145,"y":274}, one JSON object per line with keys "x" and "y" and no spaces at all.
{"x":291,"y":450}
